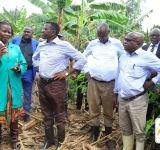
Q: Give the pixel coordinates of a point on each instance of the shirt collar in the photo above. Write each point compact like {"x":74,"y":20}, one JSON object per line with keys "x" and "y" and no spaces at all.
{"x":135,"y":52}
{"x":138,"y":51}
{"x":155,"y":45}
{"x":54,"y":41}
{"x":109,"y":40}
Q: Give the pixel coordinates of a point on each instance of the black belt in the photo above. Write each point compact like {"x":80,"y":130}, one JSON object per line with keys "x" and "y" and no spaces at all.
{"x":131,"y":98}
{"x":48,"y":80}
{"x":103,"y":81}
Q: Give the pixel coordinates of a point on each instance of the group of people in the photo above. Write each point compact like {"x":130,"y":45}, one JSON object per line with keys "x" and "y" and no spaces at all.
{"x":115,"y":72}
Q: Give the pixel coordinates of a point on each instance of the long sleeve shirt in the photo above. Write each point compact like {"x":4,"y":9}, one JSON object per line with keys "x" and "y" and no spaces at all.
{"x":134,"y":70}
{"x":53,"y":57}
{"x":10,"y":77}
{"x":102,"y":59}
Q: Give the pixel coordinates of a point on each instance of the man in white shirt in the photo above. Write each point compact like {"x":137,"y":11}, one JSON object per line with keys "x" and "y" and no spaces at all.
{"x":153,"y":47}
{"x":135,"y":67}
{"x":101,"y":70}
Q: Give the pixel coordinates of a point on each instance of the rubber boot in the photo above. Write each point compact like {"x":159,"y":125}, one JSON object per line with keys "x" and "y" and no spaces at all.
{"x":94,"y":134}
{"x":61,"y":137}
{"x":49,"y":132}
{"x":139,"y":145}
{"x":128,"y":142}
{"x":109,"y":144}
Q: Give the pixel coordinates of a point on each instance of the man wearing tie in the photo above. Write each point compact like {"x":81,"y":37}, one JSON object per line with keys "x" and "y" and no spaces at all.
{"x":153,"y":47}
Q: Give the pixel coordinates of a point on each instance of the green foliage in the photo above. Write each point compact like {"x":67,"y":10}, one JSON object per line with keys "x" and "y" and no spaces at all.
{"x":61,"y":3}
{"x":17,"y":19}
{"x":149,"y":128}
{"x":83,"y":82}
{"x":72,"y":87}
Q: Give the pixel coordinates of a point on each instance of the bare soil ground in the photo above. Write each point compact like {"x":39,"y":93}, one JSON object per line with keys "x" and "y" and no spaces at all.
{"x":31,"y":134}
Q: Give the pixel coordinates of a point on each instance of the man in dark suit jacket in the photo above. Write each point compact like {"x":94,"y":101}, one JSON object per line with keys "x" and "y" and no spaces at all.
{"x":28,"y":46}
{"x":154,"y":47}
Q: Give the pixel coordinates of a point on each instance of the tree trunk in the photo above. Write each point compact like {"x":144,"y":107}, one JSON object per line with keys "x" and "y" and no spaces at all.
{"x":60,"y":19}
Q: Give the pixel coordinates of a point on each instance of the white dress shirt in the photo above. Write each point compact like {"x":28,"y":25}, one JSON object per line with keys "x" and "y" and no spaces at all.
{"x":102,"y":59}
{"x":134,"y":70}
{"x":155,"y":48}
{"x":53,"y":57}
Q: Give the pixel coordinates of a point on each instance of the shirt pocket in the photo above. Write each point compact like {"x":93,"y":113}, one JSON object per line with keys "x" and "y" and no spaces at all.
{"x":137,"y":70}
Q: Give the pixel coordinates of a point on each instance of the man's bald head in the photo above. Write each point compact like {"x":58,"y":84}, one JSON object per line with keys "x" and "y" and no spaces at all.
{"x":139,"y":37}
{"x":155,"y":36}
{"x":133,"y":41}
{"x":103,"y":32}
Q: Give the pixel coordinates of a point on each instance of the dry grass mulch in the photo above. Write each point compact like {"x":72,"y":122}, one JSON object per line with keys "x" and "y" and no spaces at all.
{"x":31,"y":134}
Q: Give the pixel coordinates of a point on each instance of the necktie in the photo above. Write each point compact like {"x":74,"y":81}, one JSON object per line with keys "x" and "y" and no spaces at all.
{"x":152,"y":49}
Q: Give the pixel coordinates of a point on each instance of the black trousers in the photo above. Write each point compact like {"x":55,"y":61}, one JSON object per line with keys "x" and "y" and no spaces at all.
{"x":80,"y":97}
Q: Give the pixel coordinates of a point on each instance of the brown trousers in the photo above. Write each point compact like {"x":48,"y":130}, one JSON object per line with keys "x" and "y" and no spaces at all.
{"x":132,"y":116}
{"x":52,"y":100}
{"x":100,"y":94}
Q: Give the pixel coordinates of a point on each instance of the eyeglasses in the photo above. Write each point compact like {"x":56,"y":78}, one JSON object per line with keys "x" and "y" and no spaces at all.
{"x":156,"y":35}
{"x":102,"y":37}
{"x":130,"y":40}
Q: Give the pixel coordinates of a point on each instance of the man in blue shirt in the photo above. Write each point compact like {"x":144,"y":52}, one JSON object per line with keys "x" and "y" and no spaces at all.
{"x":135,"y":68}
{"x":51,"y":58}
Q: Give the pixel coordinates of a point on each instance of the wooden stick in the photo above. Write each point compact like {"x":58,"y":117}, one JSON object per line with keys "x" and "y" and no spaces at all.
{"x":30,"y":124}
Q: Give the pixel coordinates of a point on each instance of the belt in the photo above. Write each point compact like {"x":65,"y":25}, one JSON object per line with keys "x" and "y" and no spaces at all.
{"x":48,"y":80}
{"x":103,"y":81}
{"x":131,"y":98}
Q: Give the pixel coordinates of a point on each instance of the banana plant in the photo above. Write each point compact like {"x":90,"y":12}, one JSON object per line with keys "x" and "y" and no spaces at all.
{"x":17,"y":19}
{"x":52,"y":13}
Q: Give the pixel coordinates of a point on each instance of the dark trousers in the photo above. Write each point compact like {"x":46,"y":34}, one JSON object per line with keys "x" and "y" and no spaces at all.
{"x":27,"y":81}
{"x":52,"y":99}
{"x":80,"y":96}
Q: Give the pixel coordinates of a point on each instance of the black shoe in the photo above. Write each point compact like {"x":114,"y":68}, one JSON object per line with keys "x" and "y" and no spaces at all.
{"x":49,"y":132}
{"x":109,"y":144}
{"x":94,"y":134}
{"x":26,"y":118}
{"x":61,"y":137}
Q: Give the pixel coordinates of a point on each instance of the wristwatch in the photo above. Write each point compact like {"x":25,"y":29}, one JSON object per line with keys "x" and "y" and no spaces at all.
{"x":66,"y":74}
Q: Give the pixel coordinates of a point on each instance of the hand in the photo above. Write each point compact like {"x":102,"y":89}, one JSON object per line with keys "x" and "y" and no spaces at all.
{"x":147,"y":85}
{"x":37,"y":68}
{"x":16,"y":68}
{"x":88,"y":76}
{"x":153,"y":74}
{"x":73,"y":76}
{"x":59,"y":75}
{"x":3,"y":50}
{"x":115,"y":101}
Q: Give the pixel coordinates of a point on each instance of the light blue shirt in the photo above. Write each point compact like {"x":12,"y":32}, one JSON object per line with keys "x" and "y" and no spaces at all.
{"x":134,"y":70}
{"x":102,"y":59}
{"x":53,"y":57}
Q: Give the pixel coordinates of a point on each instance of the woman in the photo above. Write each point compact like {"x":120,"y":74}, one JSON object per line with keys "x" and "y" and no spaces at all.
{"x":12,"y":65}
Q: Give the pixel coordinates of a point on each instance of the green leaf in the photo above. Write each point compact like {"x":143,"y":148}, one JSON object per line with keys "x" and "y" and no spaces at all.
{"x":106,"y":6}
{"x":43,"y":18}
{"x":111,"y":15}
{"x":43,"y":6}
{"x":149,"y":125}
{"x":68,"y":10}
{"x":68,"y":2}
